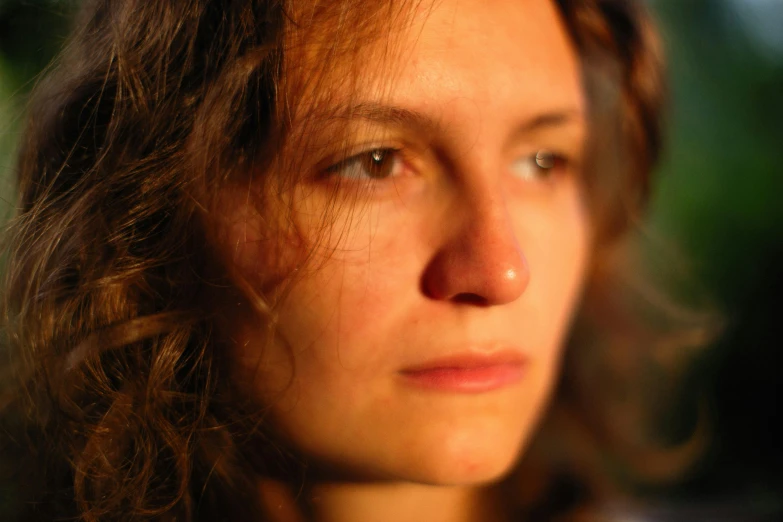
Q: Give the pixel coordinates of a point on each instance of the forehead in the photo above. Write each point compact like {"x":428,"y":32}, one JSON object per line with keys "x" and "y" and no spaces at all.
{"x":514,"y":56}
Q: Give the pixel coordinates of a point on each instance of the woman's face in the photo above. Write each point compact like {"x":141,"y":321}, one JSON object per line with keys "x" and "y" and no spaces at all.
{"x":419,"y":337}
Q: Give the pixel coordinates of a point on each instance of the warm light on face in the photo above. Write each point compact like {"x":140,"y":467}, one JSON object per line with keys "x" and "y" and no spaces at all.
{"x":424,"y":342}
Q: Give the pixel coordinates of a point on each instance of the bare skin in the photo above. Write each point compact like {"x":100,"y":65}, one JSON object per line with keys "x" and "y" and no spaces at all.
{"x":469,"y":239}
{"x":330,"y":502}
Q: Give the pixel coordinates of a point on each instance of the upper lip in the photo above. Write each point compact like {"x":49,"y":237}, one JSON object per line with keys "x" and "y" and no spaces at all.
{"x":469,"y":360}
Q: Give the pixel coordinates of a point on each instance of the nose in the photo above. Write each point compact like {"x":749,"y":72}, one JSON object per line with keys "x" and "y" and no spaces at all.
{"x":480,"y":263}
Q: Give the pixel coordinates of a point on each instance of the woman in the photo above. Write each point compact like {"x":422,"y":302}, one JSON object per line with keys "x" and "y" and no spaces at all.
{"x":315,"y":260}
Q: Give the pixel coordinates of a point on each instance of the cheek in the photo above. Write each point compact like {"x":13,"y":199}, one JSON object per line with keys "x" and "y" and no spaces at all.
{"x":361,"y":276}
{"x":344,"y":308}
{"x":557,"y":246}
{"x":338,"y":286}
{"x":260,"y":250}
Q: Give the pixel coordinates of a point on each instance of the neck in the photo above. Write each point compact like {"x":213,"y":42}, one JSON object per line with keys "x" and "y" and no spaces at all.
{"x":386,"y":502}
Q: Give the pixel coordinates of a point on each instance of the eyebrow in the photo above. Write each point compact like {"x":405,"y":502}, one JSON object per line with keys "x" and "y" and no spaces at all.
{"x":392,"y":115}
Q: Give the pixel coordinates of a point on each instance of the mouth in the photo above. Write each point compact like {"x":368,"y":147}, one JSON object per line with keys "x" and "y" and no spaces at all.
{"x":468,"y":373}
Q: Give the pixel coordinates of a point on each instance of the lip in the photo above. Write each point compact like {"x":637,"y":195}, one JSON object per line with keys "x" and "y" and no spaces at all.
{"x":468,"y":372}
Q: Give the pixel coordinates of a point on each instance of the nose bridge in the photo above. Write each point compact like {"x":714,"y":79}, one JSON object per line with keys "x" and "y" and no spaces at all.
{"x":491,"y":241}
{"x":481,"y":260}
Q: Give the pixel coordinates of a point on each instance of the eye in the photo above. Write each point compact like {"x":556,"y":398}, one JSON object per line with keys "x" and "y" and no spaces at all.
{"x":377,"y":164}
{"x":539,"y":166}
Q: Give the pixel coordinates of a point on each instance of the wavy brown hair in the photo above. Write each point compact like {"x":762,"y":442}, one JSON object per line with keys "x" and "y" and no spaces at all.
{"x":119,"y":402}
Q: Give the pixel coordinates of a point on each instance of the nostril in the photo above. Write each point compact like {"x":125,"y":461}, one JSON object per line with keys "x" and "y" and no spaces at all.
{"x":470,"y":298}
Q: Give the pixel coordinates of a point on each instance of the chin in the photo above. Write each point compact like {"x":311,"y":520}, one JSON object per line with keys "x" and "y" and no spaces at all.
{"x":465,"y":458}
{"x":472,"y":470}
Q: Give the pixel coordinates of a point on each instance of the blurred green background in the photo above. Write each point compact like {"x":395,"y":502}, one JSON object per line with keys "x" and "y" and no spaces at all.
{"x":720,"y":196}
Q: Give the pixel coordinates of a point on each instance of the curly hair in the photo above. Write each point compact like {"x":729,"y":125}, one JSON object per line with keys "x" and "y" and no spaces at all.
{"x":119,"y":402}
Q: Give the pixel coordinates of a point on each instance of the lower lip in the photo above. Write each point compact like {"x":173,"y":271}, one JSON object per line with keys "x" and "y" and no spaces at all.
{"x":474,"y":379}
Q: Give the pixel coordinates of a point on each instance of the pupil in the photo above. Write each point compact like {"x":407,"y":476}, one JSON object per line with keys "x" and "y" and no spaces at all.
{"x":380,"y":164}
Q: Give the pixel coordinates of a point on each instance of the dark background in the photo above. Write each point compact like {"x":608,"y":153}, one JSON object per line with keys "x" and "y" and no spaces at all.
{"x":720,"y":198}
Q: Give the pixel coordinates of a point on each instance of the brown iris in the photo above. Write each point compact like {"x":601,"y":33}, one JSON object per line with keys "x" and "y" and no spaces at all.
{"x":378,"y":163}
